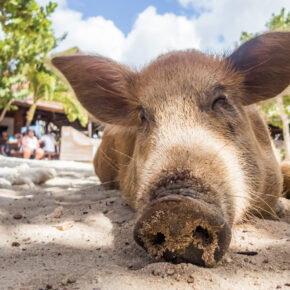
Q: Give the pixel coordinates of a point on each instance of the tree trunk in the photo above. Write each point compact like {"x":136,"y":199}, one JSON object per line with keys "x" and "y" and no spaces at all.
{"x":90,"y":129}
{"x":30,"y":115}
{"x":285,"y":123}
{"x":5,"y":109}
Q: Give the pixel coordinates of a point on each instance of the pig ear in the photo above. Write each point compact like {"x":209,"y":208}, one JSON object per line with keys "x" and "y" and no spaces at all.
{"x":264,"y":61}
{"x":102,"y":87}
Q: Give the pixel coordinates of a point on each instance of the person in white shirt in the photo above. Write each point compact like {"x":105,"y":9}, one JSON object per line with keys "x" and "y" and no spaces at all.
{"x":50,"y":144}
{"x":30,"y":146}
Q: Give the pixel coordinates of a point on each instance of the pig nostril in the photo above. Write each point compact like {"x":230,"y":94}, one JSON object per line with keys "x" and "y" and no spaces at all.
{"x":159,"y":239}
{"x":182,"y":230}
{"x":202,"y":234}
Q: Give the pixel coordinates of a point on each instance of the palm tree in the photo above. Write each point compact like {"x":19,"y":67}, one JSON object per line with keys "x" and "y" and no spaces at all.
{"x":45,"y":85}
{"x":42,"y":86}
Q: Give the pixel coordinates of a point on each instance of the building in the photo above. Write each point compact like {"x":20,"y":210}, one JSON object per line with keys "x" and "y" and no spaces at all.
{"x":51,"y":113}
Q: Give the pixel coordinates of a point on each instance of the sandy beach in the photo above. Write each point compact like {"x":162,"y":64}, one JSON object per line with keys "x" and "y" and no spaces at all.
{"x":70,"y":233}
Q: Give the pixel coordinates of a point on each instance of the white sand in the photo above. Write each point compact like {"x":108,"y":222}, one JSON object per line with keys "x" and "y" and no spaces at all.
{"x":71,"y":234}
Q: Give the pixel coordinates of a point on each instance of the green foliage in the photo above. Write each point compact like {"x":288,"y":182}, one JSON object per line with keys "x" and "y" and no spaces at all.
{"x":247,"y":36}
{"x":48,"y":86}
{"x":280,"y":21}
{"x":269,"y":107}
{"x":277,"y":22}
{"x":272,"y":113}
{"x":26,"y":38}
{"x":71,"y":105}
{"x":41,"y":83}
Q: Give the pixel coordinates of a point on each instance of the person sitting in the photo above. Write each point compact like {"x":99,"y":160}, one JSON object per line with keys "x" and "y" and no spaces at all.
{"x":31,"y":146}
{"x":4,"y":143}
{"x":50,"y":144}
{"x":18,"y":139}
{"x":15,"y":143}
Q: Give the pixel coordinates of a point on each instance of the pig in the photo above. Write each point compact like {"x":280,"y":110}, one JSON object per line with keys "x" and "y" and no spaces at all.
{"x":184,"y":142}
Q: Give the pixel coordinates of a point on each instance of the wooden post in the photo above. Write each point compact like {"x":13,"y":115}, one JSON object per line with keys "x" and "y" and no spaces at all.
{"x":19,"y":120}
{"x":90,"y":129}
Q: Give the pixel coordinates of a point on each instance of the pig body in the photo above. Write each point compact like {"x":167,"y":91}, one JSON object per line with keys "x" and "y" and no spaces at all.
{"x":184,"y":142}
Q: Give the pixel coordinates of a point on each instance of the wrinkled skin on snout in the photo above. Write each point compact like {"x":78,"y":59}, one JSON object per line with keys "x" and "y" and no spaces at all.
{"x":184,"y":142}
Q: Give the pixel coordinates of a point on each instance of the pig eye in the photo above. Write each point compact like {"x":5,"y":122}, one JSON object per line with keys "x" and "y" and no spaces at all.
{"x":219,"y":101}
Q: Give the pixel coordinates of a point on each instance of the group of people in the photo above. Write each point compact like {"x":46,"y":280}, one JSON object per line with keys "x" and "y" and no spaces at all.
{"x":30,"y":145}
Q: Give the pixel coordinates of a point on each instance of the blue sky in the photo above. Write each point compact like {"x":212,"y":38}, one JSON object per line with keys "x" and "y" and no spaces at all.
{"x":125,"y":12}
{"x":134,"y":32}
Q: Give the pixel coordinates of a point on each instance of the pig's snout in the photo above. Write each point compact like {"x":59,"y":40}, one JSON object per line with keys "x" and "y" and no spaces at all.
{"x":181,"y":229}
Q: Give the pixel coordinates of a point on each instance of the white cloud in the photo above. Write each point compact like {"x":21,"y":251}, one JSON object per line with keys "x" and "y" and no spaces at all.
{"x":228,"y":18}
{"x":152,"y":34}
{"x":218,"y":26}
{"x":95,"y":34}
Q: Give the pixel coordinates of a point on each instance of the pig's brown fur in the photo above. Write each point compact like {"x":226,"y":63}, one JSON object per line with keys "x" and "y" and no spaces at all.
{"x":118,"y":171}
{"x":168,"y":124}
{"x":174,"y":70}
{"x":285,"y":166}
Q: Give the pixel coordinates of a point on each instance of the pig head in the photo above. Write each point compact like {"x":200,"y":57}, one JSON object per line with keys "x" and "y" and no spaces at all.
{"x":184,"y":142}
